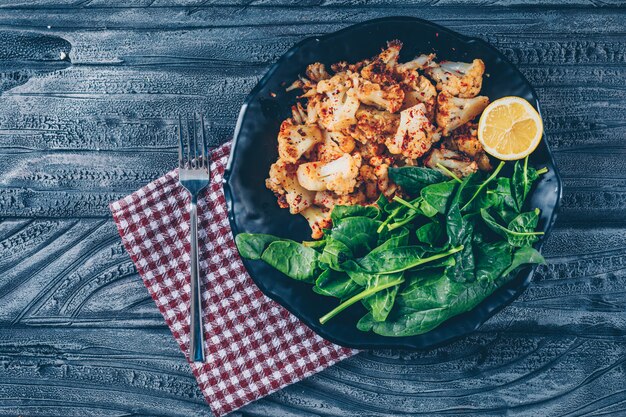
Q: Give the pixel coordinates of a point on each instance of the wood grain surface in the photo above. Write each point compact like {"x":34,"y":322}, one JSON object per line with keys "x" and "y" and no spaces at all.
{"x":89,"y":94}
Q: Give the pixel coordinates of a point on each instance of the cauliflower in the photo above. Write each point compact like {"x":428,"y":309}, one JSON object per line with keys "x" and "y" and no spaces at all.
{"x":421,"y":62}
{"x":382,"y":180}
{"x":317,"y":72}
{"x":418,"y":89}
{"x":415,"y":135}
{"x":390,"y":98}
{"x":328,"y":150}
{"x":338,"y":175}
{"x":294,"y":140}
{"x":465,"y":139}
{"x":458,"y":78}
{"x":337,"y":109}
{"x":453,"y":112}
{"x":381,"y":69}
{"x":456,"y":162}
{"x":328,"y":199}
{"x":283,"y":182}
{"x":374,"y":125}
{"x":318,"y":218}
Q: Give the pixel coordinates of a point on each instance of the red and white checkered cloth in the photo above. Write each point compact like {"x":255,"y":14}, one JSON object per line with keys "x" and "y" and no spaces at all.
{"x":253,"y":345}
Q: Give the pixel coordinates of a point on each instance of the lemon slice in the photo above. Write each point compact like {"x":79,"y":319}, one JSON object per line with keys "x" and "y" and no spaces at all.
{"x":510,"y":128}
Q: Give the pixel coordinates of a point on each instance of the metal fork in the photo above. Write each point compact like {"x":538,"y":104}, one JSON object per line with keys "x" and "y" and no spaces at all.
{"x":194,"y":174}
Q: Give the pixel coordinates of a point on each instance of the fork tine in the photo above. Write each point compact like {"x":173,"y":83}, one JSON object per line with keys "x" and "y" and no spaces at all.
{"x":205,"y":151}
{"x":180,"y":142}
{"x":189,"y":143}
{"x":195,"y":140}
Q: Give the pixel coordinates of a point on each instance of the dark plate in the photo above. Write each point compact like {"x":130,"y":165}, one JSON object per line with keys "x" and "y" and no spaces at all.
{"x":252,"y":208}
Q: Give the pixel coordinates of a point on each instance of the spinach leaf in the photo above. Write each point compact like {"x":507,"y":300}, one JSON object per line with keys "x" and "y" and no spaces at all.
{"x":399,"y":259}
{"x":341,"y":212}
{"x":394,"y":240}
{"x":521,"y":182}
{"x":437,"y":195}
{"x":427,"y":306}
{"x":293,"y":259}
{"x":463,"y":269}
{"x":318,"y":245}
{"x":335,"y":284}
{"x":359,"y":234}
{"x":252,"y":245}
{"x":525,"y":255}
{"x":492,"y":259}
{"x":413,"y":179}
{"x":455,"y":224}
{"x":358,"y":297}
{"x":524,"y":223}
{"x":335,"y":254}
{"x":514,"y":237}
{"x":477,"y":190}
{"x":381,"y":303}
{"x":432,"y":234}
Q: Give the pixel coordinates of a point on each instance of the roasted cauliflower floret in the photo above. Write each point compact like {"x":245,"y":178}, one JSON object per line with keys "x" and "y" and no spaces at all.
{"x":337,"y":109}
{"x":328,"y":199}
{"x":415,"y":134}
{"x":453,"y":112}
{"x":374,"y":125}
{"x":382,"y":180}
{"x":319,"y":219}
{"x":317,"y":72}
{"x":465,"y":139}
{"x":421,"y":63}
{"x":382,"y":69}
{"x":338,"y":175}
{"x":418,"y":89}
{"x":283,"y":182}
{"x":458,"y":78}
{"x":389,"y":98}
{"x":328,"y":150}
{"x":456,"y":162}
{"x":294,"y":140}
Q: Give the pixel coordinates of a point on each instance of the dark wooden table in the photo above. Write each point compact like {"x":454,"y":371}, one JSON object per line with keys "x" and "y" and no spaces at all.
{"x":89,"y":94}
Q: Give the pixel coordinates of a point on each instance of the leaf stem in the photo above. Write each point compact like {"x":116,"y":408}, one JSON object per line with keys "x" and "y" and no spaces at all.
{"x":332,"y":313}
{"x":424,"y":260}
{"x":447,"y":171}
{"x":404,"y":203}
{"x":542,"y":171}
{"x":484,"y":184}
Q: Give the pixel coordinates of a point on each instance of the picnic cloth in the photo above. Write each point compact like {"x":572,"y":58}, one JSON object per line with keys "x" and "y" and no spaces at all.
{"x":254,"y":346}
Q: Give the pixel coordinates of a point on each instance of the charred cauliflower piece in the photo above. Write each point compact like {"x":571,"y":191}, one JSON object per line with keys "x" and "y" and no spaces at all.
{"x":328,"y":199}
{"x":318,"y":219}
{"x":283,"y":182}
{"x":338,"y":175}
{"x":337,"y":109}
{"x":295,"y":139}
{"x":465,"y":139}
{"x":415,"y":134}
{"x":458,"y":78}
{"x":389,"y":98}
{"x":453,"y":112}
{"x":374,"y":125}
{"x":456,"y":162}
{"x":382,"y":69}
{"x":317,"y":72}
{"x":421,"y":62}
{"x":418,"y":89}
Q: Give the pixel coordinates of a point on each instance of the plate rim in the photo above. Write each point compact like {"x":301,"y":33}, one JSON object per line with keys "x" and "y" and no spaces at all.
{"x":529,"y":271}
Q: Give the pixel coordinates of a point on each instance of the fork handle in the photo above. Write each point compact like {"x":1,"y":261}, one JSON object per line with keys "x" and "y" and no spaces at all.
{"x":197,"y":329}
